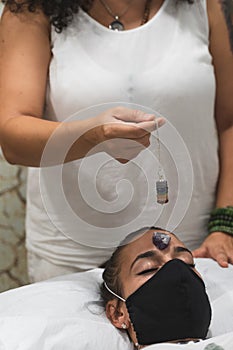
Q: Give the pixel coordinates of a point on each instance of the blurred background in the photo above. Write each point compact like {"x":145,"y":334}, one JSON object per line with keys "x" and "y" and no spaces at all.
{"x":13,"y":269}
{"x":12,"y":233}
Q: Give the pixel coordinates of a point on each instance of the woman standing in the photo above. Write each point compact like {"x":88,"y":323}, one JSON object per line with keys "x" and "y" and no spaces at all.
{"x":60,"y":57}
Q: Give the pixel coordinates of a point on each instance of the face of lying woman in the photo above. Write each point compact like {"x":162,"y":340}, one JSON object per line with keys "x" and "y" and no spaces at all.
{"x":141,"y":259}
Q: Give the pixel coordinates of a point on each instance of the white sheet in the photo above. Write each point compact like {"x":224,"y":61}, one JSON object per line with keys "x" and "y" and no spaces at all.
{"x":223,"y":342}
{"x":64,"y":314}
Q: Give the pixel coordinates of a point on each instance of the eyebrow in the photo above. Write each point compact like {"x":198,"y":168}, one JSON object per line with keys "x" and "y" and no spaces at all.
{"x":182,"y":249}
{"x":152,"y":253}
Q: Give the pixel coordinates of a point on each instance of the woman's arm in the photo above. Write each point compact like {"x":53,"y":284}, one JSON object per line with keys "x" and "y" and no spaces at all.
{"x":223,"y":64}
{"x":24,"y":62}
{"x":219,"y":245}
{"x":25,"y":56}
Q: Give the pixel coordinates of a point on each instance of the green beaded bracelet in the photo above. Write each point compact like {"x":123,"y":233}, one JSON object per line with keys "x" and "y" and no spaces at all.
{"x":225,"y":211}
{"x":221,"y":220}
{"x":220,"y":223}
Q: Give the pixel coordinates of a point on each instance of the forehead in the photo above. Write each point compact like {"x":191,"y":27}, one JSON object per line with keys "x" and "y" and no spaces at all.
{"x":143,"y":241}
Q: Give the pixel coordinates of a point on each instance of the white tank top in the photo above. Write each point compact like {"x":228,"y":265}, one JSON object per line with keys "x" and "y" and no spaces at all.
{"x":165,"y":66}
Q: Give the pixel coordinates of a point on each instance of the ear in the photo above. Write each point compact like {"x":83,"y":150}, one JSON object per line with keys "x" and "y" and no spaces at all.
{"x":117,"y":313}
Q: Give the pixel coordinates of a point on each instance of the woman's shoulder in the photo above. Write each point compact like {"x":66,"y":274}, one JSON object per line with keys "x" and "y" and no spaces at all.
{"x":25,"y":19}
{"x":220,"y":15}
{"x":217,"y":9}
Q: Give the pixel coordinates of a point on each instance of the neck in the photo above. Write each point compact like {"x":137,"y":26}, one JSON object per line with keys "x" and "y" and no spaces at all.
{"x":131,"y":19}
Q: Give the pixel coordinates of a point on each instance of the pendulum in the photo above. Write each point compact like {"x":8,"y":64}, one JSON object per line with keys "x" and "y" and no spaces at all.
{"x":162,"y":191}
{"x":161,"y":184}
{"x":161,"y":240}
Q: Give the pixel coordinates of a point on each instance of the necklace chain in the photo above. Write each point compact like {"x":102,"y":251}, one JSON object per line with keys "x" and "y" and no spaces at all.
{"x":146,"y":12}
{"x":109,"y":10}
{"x":159,"y":152}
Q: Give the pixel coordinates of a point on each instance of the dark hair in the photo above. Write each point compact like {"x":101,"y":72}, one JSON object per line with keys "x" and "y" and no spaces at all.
{"x":227,"y":7}
{"x":60,"y":12}
{"x":113,"y":267}
{"x":111,"y":278}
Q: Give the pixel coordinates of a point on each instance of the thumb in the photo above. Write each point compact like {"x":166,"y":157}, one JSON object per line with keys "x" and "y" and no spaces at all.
{"x":132,"y":115}
{"x":136,"y":116}
{"x":222,"y":259}
{"x":200,"y":252}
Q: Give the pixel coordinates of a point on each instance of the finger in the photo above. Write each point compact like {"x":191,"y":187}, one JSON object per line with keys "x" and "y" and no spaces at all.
{"x":145,"y":127}
{"x":222,"y":259}
{"x":144,"y":142}
{"x":156,"y":122}
{"x":149,"y":125}
{"x":128,"y":155}
{"x":124,"y":154}
{"x":141,"y":129}
{"x":136,"y":116}
{"x":160,"y":122}
{"x":132,"y":115}
{"x":200,"y":252}
{"x":127,"y":131}
{"x":230,"y":259}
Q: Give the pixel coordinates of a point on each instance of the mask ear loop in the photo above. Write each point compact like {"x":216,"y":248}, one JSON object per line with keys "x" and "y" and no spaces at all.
{"x":138,"y":347}
{"x":161,"y":183}
{"x":110,"y":291}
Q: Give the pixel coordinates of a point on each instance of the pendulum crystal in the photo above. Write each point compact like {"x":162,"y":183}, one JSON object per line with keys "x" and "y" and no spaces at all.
{"x":162,"y":191}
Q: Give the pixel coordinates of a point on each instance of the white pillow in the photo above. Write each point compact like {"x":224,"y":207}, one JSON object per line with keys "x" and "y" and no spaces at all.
{"x":219,"y":286}
{"x":61,"y":313}
{"x":64,"y":313}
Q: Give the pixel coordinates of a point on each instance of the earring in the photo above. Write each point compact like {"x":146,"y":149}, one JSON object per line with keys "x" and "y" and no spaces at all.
{"x":123,"y":326}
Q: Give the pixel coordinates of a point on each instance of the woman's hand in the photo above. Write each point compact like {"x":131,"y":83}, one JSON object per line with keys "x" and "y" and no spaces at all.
{"x":122,"y":132}
{"x":218,"y":246}
{"x":24,"y":135}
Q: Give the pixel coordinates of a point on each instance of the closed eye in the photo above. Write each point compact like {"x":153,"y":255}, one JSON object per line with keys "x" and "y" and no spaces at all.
{"x":144,"y":272}
{"x":148,"y":271}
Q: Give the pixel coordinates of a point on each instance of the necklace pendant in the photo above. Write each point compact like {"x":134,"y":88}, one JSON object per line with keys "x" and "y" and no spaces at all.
{"x":116,"y":25}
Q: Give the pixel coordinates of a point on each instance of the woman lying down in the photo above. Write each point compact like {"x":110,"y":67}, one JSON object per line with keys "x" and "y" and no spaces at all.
{"x":152,"y":290}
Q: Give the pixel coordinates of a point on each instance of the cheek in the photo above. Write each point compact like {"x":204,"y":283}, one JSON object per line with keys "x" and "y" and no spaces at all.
{"x":184,"y":259}
{"x":132,"y":284}
{"x":129,"y":287}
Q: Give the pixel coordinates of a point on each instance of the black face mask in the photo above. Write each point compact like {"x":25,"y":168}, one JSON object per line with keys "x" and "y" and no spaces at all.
{"x":172,"y":305}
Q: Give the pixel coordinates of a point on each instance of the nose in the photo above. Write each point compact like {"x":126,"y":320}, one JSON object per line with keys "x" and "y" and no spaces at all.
{"x":167,"y":254}
{"x":167,"y":257}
